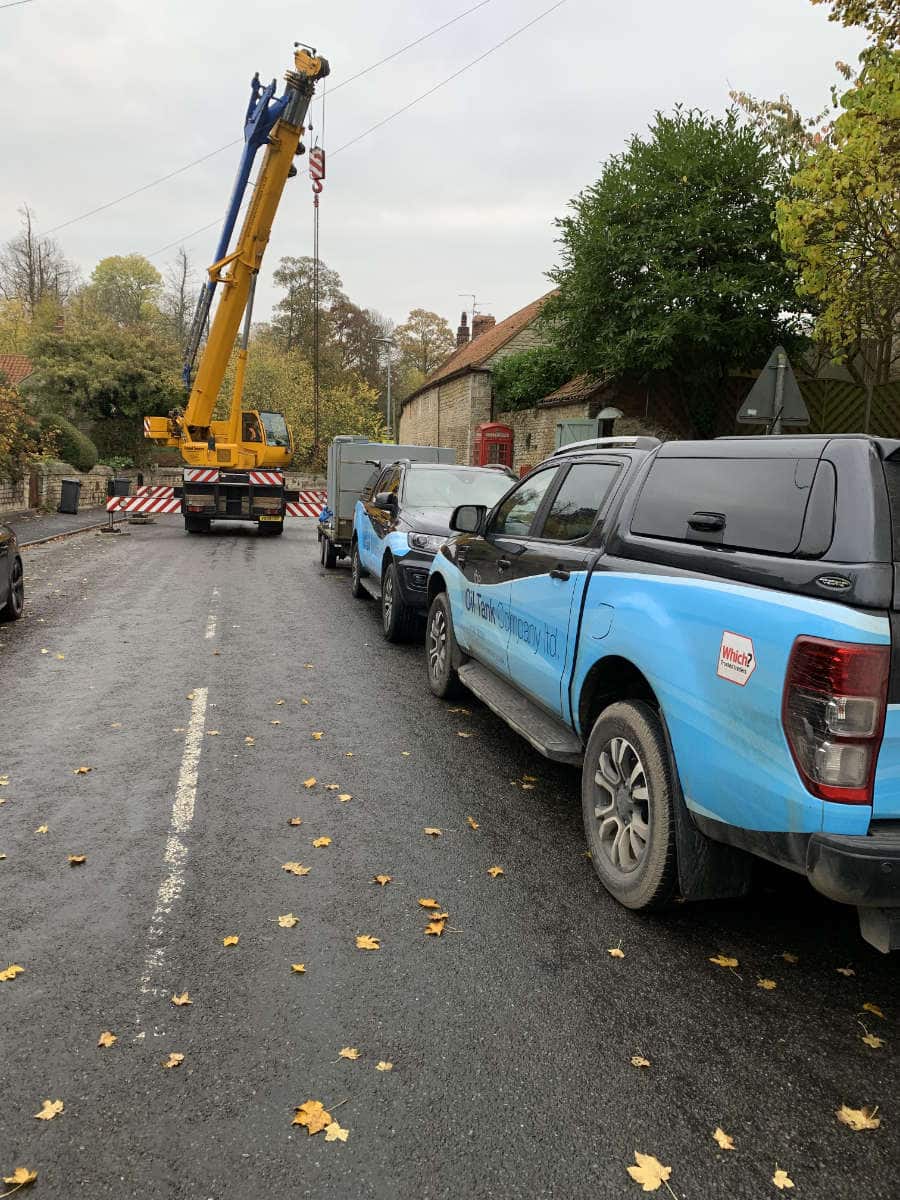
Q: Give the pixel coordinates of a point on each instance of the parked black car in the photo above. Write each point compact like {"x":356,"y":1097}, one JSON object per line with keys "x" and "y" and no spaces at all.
{"x":12,"y":576}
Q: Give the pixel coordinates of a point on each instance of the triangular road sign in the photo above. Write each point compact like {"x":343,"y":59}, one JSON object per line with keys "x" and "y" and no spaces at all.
{"x":760,"y":407}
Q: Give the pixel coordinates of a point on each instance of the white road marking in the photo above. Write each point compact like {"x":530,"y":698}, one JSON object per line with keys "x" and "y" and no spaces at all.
{"x":176,"y":852}
{"x":210,"y":626}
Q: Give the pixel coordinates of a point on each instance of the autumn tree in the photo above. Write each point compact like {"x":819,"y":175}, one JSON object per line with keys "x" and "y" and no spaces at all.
{"x":125,"y":288}
{"x":293,"y":315}
{"x":424,"y":340}
{"x":33,"y":269}
{"x":670,"y":265}
{"x":180,"y":295}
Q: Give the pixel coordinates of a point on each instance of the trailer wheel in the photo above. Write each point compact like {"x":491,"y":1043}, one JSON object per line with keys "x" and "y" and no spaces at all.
{"x":329,"y":554}
{"x":270,"y":529}
{"x":194,"y":524}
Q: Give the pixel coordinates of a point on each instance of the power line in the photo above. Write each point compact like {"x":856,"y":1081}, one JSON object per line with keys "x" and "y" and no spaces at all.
{"x":15,"y":3}
{"x":406,"y":107}
{"x":237,"y":141}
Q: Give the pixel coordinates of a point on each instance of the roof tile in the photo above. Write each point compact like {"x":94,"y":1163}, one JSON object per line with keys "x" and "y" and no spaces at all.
{"x":15,"y":368}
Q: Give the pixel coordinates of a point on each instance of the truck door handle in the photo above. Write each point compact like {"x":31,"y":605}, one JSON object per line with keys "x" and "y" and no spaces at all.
{"x":706,"y":522}
{"x":559,"y":572}
{"x":503,"y":564}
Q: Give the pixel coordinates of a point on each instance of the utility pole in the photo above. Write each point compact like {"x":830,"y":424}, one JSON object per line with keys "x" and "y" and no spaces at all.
{"x":778,"y":408}
{"x":388,"y":345}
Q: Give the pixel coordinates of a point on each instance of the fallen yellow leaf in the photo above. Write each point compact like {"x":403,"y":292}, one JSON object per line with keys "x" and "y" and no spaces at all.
{"x":312,"y":1114}
{"x":311,"y":782}
{"x":366,"y":942}
{"x":212,"y":733}
{"x":59,"y":656}
{"x":288,"y":921}
{"x":49,"y":1110}
{"x":790,"y":958}
{"x":182,"y":1000}
{"x":321,"y":841}
{"x":616,"y":952}
{"x":334,"y":1133}
{"x":42,"y":829}
{"x":231,"y":940}
{"x":465,"y":712}
{"x":348,"y":754}
{"x":295,"y":868}
{"x":434,"y":928}
{"x":381,"y":879}
{"x":82,"y":770}
{"x":173,"y":1061}
{"x":344,"y":797}
{"x":274,"y":722}
{"x":116,"y":725}
{"x":4,"y":781}
{"x":349,"y":1052}
{"x":384,"y":1066}
{"x":527,"y":787}
{"x":303,"y":700}
{"x":405,"y":753}
{"x":279,"y":702}
{"x":106,"y":1039}
{"x":429,"y":903}
{"x":432,"y":831}
{"x":191,"y":696}
{"x":725,"y":1140}
{"x":75,"y":860}
{"x":463,"y":733}
{"x":250,"y":741}
{"x":11,"y":972}
{"x":317,"y":737}
{"x":873,"y":1009}
{"x":782,"y":1180}
{"x":298,"y":968}
{"x":847,"y":971}
{"x":873,"y":1040}
{"x":472,"y":823}
{"x":21,"y":1176}
{"x":638,"y":1060}
{"x":332,"y":787}
{"x":295,"y":821}
{"x":529,"y":779}
{"x":495,"y":871}
{"x":649,"y":1172}
{"x":768,"y":985}
{"x":722,"y":960}
{"x":309,"y":666}
{"x":858,"y":1118}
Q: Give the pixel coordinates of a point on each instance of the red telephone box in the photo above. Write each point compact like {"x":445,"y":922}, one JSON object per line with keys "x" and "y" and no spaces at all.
{"x":493,"y":444}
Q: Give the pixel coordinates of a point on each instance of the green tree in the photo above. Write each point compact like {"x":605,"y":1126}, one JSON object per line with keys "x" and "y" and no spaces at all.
{"x":522,"y":379}
{"x":14,"y":327}
{"x":880,"y":17}
{"x":125,"y":289}
{"x":669,"y":263}
{"x":293,"y":315}
{"x":839,"y":222}
{"x":22,"y":441}
{"x":424,"y":340}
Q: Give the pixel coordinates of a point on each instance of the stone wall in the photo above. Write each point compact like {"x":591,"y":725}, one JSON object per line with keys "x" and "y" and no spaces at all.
{"x":534,"y":430}
{"x":13,"y":495}
{"x":47,"y":485}
{"x":446,"y":415}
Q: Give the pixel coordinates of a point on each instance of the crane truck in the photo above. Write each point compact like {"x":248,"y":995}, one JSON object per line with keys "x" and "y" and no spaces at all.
{"x":235,"y":467}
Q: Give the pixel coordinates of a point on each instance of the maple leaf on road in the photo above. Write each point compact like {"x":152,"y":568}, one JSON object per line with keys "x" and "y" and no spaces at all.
{"x":49,"y":1110}
{"x":312,"y":1114}
{"x":432,"y":831}
{"x":231,"y":940}
{"x":649,"y":1172}
{"x":76,"y":860}
{"x":349,"y":1052}
{"x":384,"y":1066}
{"x":725,"y":1140}
{"x":181,"y":1000}
{"x":723,"y":960}
{"x":858,"y":1118}
{"x":106,"y":1039}
{"x":366,"y":942}
{"x":321,"y":841}
{"x":21,"y":1177}
{"x":288,"y":921}
{"x":381,"y":879}
{"x":173,"y":1060}
{"x":782,"y":1180}
{"x":495,"y":872}
{"x":295,"y":868}
{"x":11,"y":972}
{"x":472,"y":823}
{"x":429,"y":903}
{"x":334,"y":1133}
{"x":299,"y":968}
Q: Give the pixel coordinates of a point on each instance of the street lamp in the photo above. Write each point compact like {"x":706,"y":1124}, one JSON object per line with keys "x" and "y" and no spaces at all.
{"x":389,"y":345}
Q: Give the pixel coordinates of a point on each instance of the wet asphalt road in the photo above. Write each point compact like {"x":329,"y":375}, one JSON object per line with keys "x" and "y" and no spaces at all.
{"x":511,"y":1035}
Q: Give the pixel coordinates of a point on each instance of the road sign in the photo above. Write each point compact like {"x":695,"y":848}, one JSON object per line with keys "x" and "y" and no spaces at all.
{"x":775,"y":398}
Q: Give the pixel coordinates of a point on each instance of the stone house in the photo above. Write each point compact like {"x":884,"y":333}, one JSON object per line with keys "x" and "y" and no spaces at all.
{"x":458,"y":396}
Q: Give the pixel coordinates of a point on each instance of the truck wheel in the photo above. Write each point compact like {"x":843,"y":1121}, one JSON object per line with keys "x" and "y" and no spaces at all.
{"x":396,"y":617}
{"x":356,"y":572}
{"x":15,"y":601}
{"x":329,"y":554}
{"x":440,"y":650}
{"x":270,"y":528}
{"x":627,"y":792}
{"x":194,"y":524}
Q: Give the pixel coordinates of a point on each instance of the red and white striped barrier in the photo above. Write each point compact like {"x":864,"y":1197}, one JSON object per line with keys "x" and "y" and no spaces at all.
{"x":147,"y":500}
{"x":267,"y":477}
{"x":201,"y":475}
{"x":308,"y":504}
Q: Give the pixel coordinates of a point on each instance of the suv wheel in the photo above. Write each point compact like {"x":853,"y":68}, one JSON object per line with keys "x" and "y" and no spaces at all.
{"x":356,"y":572}
{"x":627,"y":791}
{"x":15,"y":602}
{"x":440,"y":650}
{"x":396,"y":617}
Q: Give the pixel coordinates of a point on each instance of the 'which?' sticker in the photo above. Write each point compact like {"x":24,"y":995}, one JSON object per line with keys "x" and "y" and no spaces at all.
{"x":737,"y":660}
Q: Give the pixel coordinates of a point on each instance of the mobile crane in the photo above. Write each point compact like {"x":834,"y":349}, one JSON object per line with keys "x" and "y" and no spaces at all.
{"x":233,"y":470}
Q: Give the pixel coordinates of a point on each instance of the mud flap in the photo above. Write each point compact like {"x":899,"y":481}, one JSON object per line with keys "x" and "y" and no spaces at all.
{"x":880,"y":927}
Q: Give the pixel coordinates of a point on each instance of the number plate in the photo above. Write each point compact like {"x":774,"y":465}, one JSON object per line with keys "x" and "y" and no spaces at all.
{"x":270,"y":518}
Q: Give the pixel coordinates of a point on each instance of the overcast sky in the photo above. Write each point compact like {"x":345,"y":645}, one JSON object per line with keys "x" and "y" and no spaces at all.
{"x":457,"y":195}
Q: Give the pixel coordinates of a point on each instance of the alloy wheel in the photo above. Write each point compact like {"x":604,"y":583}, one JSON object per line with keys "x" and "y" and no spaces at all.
{"x":622,"y":805}
{"x":437,"y":644}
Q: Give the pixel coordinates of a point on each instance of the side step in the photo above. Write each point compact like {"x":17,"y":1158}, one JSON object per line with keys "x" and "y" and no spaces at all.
{"x":550,"y":737}
{"x":371,"y":586}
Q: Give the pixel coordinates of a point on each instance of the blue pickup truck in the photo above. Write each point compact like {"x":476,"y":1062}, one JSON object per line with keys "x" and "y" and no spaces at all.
{"x":712,"y":629}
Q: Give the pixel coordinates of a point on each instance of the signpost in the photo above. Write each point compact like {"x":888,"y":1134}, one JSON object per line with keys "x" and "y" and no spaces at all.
{"x":775,"y":399}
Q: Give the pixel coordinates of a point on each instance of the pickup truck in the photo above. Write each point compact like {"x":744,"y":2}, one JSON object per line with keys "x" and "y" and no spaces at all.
{"x":712,"y":631}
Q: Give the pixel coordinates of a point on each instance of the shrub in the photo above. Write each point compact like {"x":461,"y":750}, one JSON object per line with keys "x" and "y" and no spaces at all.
{"x":21,"y":441}
{"x":520,"y":380}
{"x":72,"y":446}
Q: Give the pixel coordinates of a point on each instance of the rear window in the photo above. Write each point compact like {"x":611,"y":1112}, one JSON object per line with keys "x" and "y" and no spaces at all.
{"x":763,"y":501}
{"x":892,"y":476}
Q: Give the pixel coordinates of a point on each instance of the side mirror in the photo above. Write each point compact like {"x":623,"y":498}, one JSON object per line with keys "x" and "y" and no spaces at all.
{"x":468,"y":518}
{"x":385,"y":500}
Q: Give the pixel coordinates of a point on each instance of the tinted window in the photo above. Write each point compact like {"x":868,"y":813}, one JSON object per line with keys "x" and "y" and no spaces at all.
{"x":763,"y":500}
{"x":515,"y":515}
{"x":892,"y":475}
{"x":577,"y":502}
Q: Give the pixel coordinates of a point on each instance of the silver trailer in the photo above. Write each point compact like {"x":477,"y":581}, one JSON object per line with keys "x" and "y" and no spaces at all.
{"x":353,"y":464}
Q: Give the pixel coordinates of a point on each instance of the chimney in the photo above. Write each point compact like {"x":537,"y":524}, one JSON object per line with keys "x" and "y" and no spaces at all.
{"x":462,"y":333}
{"x":481,"y":324}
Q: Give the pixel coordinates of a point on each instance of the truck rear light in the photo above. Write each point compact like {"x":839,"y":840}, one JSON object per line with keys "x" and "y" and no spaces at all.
{"x":833,"y":710}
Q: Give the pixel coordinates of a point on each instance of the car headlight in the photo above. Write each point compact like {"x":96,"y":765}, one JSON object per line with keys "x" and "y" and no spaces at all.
{"x":430,"y":543}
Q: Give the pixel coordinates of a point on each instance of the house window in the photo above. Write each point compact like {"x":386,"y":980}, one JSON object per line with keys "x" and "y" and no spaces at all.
{"x":527,"y":441}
